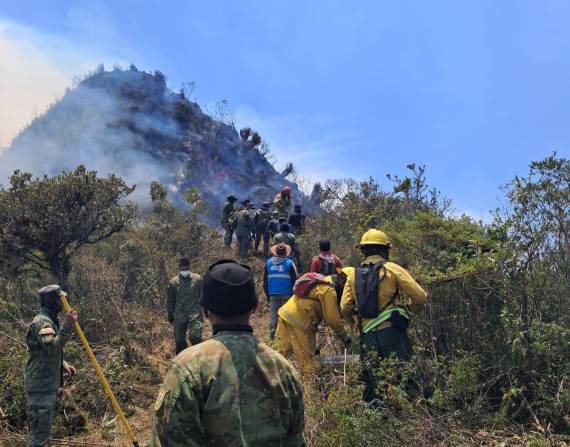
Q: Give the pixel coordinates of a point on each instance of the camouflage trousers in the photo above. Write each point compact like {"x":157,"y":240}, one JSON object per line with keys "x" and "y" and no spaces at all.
{"x":228,"y":236}
{"x":243,"y":246}
{"x":193,"y":327}
{"x":262,"y":236}
{"x":41,"y":411}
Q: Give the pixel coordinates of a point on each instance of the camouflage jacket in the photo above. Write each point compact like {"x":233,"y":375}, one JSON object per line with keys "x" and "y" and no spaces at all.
{"x":183,"y":298}
{"x":261,"y":219}
{"x":226,"y":214}
{"x":286,"y":238}
{"x":245,"y":225}
{"x":45,"y":340}
{"x":229,"y":391}
{"x":282,"y":203}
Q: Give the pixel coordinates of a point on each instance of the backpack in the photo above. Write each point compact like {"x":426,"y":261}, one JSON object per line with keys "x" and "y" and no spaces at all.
{"x":306,"y":283}
{"x":367,"y":282}
{"x":327,"y":265}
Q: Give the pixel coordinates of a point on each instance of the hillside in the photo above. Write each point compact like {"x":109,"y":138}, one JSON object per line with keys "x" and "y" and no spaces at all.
{"x":128,"y":122}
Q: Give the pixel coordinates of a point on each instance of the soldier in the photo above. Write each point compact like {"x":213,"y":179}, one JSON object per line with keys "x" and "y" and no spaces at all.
{"x":288,"y":238}
{"x":273,"y":225}
{"x":245,"y":230}
{"x":230,"y":390}
{"x":316,"y":299}
{"x":261,"y":221}
{"x":183,"y":306}
{"x":45,"y":367}
{"x":297,"y":221}
{"x":372,"y":292}
{"x":226,"y":215}
{"x":282,"y":201}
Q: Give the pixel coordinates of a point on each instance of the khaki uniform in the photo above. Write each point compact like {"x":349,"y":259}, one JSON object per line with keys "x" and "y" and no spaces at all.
{"x":299,"y":320}
{"x":244,"y":232}
{"x":225,"y":216}
{"x":229,"y":391}
{"x":282,"y":204}
{"x":184,"y":309}
{"x":44,"y":373}
{"x":261,"y":221}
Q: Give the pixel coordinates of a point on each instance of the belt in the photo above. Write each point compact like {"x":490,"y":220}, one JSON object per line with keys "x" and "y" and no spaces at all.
{"x":381,"y":326}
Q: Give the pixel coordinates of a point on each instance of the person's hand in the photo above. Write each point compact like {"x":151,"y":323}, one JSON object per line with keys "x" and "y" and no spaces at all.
{"x":71,"y":316}
{"x":69,"y":369}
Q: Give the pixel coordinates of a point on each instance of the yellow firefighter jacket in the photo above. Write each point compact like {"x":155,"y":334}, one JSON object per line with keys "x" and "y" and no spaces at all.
{"x":396,"y":278}
{"x":320,"y":304}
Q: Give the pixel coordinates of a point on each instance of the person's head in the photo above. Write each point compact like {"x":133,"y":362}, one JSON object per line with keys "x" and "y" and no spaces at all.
{"x":325,"y":245}
{"x":50,"y":298}
{"x":375,"y":243}
{"x":275,"y":215}
{"x":247,"y":204}
{"x":284,"y":228}
{"x":184,"y":266}
{"x":231,"y":198}
{"x":339,"y":279}
{"x":228,"y":292}
{"x":266,"y":205}
{"x":286,"y":191}
{"x":280,"y":250}
{"x":297,"y":208}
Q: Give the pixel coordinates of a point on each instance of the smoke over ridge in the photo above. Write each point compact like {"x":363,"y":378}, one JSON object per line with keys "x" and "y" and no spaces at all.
{"x":127,"y":122}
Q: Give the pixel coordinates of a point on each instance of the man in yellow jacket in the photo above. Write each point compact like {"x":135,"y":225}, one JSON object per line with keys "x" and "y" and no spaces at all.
{"x":372,"y":293}
{"x":299,"y":319}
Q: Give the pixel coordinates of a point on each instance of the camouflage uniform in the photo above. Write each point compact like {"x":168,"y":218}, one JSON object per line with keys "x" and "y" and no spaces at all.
{"x":229,"y":391}
{"x":289,"y":239}
{"x":184,"y":309}
{"x":44,"y":373}
{"x":261,"y":221}
{"x":244,"y":232}
{"x":282,"y":204}
{"x":226,"y":214}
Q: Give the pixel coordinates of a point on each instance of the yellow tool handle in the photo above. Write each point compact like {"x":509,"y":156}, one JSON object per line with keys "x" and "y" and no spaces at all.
{"x":99,"y":372}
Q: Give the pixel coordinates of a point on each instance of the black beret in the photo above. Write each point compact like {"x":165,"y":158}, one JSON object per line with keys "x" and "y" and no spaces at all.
{"x":49,"y":294}
{"x":228,"y":288}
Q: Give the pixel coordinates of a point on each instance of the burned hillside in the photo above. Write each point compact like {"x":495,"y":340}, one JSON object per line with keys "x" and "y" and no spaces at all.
{"x":128,"y":122}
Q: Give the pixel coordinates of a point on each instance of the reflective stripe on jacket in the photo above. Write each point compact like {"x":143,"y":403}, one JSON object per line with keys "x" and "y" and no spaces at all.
{"x":281,"y":275}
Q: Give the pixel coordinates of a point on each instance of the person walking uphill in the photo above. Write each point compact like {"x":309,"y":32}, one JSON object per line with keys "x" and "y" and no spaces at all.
{"x":44,"y":371}
{"x":230,"y":390}
{"x":278,"y":281}
{"x":183,"y":306}
{"x":297,"y":221}
{"x":225,"y":220}
{"x":372,"y":292}
{"x":245,"y":230}
{"x":325,"y":263}
{"x":261,"y":221}
{"x":282,"y":201}
{"x":316,"y":299}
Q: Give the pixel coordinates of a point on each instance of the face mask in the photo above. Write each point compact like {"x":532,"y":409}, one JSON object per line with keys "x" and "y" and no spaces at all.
{"x":184,"y":273}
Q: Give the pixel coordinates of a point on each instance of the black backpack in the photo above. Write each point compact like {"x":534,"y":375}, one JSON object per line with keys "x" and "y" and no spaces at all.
{"x":327,"y":266}
{"x":367,"y":282}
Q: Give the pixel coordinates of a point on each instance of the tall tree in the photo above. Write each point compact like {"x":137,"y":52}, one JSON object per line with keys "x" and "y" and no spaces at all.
{"x":44,"y":221}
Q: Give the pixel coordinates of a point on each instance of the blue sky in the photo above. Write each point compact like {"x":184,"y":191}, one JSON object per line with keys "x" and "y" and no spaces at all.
{"x":473,"y":89}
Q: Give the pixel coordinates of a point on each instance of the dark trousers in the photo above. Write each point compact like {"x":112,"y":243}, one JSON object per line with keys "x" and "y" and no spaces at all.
{"x":378,"y":345}
{"x":192,"y":327}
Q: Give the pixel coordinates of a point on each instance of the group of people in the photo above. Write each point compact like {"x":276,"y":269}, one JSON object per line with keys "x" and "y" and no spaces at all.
{"x":232,"y":389}
{"x":265,"y":225}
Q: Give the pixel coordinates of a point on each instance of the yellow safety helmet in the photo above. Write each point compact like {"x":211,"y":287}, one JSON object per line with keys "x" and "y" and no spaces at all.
{"x":374,"y":237}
